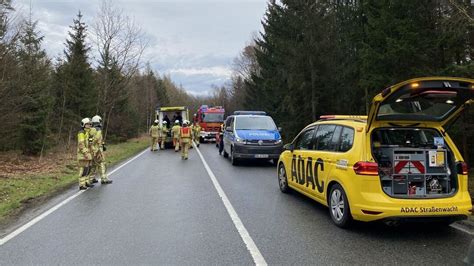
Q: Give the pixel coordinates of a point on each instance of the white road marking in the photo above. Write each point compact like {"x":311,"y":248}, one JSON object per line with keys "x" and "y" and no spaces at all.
{"x":244,"y":234}
{"x":59,"y":205}
{"x":122,"y":165}
{"x":462,"y":229}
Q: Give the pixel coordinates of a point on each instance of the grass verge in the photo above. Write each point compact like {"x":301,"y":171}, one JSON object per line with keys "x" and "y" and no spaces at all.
{"x":18,"y":192}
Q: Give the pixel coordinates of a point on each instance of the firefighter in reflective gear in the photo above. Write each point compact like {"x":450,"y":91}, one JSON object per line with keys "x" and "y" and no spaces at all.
{"x":154,"y":134}
{"x":196,"y":133}
{"x":221,"y":139}
{"x":185,"y":138}
{"x":98,"y":148}
{"x":175,"y":135}
{"x":163,"y":133}
{"x":84,"y":154}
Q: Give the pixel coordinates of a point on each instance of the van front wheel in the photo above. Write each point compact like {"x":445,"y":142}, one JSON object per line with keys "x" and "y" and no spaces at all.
{"x":339,"y":207}
{"x":233,"y":160}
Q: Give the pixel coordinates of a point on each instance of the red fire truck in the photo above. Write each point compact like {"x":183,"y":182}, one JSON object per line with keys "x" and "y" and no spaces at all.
{"x":210,"y":119}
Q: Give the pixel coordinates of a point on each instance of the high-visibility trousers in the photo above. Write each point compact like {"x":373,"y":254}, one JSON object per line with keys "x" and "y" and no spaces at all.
{"x":84,"y":168}
{"x":186,"y":142}
{"x":176,"y":144}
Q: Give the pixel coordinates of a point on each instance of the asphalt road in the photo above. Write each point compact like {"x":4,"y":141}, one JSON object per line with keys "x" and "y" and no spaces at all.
{"x":162,"y":210}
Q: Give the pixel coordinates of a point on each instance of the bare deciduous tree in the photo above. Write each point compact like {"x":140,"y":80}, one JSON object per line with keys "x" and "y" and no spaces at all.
{"x":120,"y":43}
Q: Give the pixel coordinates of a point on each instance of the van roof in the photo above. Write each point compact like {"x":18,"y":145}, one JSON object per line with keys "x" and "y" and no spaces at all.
{"x":250,"y":113}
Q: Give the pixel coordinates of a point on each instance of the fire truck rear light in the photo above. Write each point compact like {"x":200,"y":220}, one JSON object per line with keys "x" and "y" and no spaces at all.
{"x":366,"y":168}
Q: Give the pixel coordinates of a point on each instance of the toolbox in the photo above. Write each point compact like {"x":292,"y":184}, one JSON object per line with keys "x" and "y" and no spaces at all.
{"x":415,"y":172}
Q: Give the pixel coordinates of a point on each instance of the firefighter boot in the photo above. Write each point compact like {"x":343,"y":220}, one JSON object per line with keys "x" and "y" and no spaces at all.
{"x":103,"y":177}
{"x":82,"y":183}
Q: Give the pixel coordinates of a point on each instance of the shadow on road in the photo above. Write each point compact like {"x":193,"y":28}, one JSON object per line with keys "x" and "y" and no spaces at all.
{"x":379,"y":230}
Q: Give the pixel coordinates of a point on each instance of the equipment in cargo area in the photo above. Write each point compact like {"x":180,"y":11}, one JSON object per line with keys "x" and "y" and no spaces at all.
{"x":414,"y":172}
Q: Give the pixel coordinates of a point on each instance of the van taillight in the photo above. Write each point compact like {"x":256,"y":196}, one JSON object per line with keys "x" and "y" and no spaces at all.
{"x":462,"y":168}
{"x":366,"y":168}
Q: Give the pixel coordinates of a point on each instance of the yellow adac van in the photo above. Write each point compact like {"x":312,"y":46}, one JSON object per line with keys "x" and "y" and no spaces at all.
{"x":396,"y":164}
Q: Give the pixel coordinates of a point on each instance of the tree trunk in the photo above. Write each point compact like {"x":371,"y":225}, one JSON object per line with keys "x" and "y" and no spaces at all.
{"x":109,"y":115}
{"x":69,"y":138}
{"x":63,"y":107}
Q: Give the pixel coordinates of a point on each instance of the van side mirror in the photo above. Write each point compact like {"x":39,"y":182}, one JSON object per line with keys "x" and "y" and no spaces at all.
{"x":289,"y":147}
{"x":228,"y":129}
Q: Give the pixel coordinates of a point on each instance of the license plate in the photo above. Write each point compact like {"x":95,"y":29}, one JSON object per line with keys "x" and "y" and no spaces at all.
{"x":261,"y":155}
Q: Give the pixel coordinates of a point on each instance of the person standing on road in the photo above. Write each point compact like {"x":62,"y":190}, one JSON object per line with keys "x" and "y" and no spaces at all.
{"x":175,"y":135}
{"x":196,"y":133}
{"x":185,"y":138}
{"x":154,"y":134}
{"x":98,"y":148}
{"x":167,"y":120}
{"x":179,"y":118}
{"x":84,"y":154}
{"x":163,"y":133}
{"x":221,"y":139}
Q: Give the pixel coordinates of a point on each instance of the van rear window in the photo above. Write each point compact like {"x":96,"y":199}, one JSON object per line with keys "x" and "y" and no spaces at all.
{"x":404,"y":137}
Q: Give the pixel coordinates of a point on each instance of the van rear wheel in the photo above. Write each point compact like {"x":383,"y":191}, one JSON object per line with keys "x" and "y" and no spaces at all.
{"x":339,"y":207}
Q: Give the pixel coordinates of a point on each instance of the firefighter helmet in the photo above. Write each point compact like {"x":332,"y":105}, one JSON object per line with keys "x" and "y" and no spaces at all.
{"x":96,"y":120}
{"x":85,"y":121}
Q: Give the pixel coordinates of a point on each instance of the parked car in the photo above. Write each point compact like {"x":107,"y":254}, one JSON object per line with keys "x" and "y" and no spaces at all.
{"x":251,"y":135}
{"x":396,"y":164}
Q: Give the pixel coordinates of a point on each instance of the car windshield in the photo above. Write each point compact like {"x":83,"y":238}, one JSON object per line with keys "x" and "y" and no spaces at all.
{"x":255,"y":122}
{"x":212,"y":117}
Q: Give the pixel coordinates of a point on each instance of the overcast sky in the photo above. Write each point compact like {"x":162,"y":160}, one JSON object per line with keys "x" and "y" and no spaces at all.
{"x":194,"y":41}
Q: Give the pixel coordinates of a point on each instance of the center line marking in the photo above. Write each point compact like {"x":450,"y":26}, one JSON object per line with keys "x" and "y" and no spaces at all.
{"x":244,"y":234}
{"x":54,"y":208}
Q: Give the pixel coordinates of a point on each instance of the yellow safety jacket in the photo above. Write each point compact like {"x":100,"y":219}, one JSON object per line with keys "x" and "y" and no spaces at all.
{"x":175,"y":131}
{"x":83,"y":145}
{"x":197,"y":131}
{"x":97,"y":144}
{"x":154,"y":131}
{"x":163,"y":131}
{"x":185,"y":132}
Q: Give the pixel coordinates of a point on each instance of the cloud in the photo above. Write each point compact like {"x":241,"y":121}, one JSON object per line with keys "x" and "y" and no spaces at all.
{"x":192,"y":41}
{"x":217,"y":71}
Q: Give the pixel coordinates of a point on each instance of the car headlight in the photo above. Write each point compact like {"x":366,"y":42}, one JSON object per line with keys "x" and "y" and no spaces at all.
{"x":239,"y":140}
{"x":278,"y":141}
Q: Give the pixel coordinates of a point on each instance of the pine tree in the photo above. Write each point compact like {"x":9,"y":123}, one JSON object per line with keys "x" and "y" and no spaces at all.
{"x":35,"y":84}
{"x":76,"y":91}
